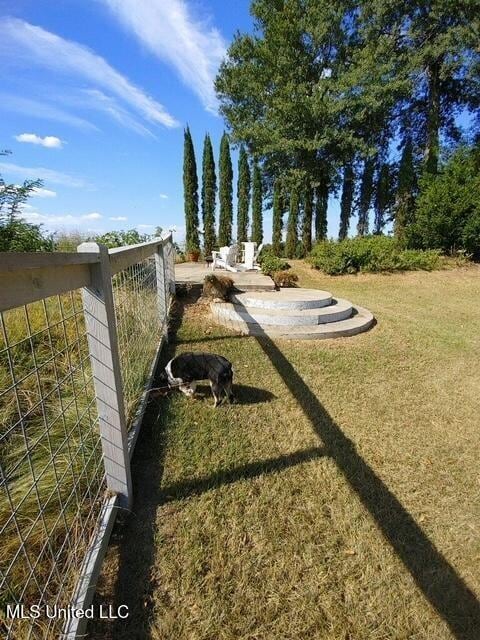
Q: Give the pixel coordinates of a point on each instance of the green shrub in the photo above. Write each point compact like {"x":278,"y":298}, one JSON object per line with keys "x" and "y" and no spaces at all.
{"x":370,"y":254}
{"x":271,"y":264}
{"x":447,"y":215}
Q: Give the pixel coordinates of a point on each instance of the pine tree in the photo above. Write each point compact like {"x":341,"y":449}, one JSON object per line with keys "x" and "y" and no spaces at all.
{"x":405,"y":196}
{"x":243,"y":196}
{"x":190,"y":193}
{"x":307,"y":220}
{"x":225,"y":192}
{"x":366,"y":192}
{"x":257,"y":203}
{"x":346,"y":200}
{"x":277,"y":215}
{"x":292,"y":225}
{"x":382,"y":197}
{"x":209,"y":190}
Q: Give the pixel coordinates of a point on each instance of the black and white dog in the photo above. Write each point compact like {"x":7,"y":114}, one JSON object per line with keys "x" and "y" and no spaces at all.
{"x":188,"y":368}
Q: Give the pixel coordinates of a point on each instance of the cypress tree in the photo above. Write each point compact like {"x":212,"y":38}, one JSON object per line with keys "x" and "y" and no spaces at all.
{"x":243,"y":196}
{"x":225,"y":192}
{"x":257,"y":215}
{"x":209,"y":190}
{"x":405,"y":197}
{"x":346,"y":200}
{"x":366,"y":190}
{"x":307,"y":220}
{"x":190,"y":193}
{"x":292,"y":231}
{"x":277,"y":215}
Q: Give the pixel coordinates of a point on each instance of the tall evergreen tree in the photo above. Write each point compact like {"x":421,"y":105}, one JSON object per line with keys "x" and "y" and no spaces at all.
{"x":209,"y":190}
{"x":292,"y":225}
{"x":346,"y":200}
{"x":405,"y":196}
{"x":382,"y":197}
{"x":225,"y":193}
{"x":257,"y":205}
{"x":365,"y":198}
{"x":277,"y":215}
{"x":243,"y":195}
{"x":307,"y":220}
{"x":190,"y":193}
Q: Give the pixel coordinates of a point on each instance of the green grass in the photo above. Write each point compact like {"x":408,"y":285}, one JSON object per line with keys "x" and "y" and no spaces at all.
{"x":337,"y":500}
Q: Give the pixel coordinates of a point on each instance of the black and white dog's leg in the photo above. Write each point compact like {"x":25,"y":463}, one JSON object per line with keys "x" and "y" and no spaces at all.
{"x":217,"y":392}
{"x":229,"y":391}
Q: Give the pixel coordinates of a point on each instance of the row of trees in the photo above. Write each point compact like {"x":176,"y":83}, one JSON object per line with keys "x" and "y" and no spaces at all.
{"x":249,"y":189}
{"x":354,"y":98}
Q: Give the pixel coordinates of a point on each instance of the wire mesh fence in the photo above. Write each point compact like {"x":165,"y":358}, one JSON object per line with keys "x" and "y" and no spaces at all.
{"x":52,"y":476}
{"x":139,"y":327}
{"x":60,"y":443}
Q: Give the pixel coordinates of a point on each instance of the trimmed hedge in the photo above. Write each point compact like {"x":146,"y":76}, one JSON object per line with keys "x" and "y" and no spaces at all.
{"x":370,"y":254}
{"x":270,"y":263}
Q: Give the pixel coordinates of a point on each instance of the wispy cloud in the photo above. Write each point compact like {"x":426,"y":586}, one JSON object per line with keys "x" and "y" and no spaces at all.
{"x":37,"y":109}
{"x":168,"y":29}
{"x":41,"y":192}
{"x":55,"y":221}
{"x":96,"y":99}
{"x":144,"y":226}
{"x":50,"y":142}
{"x":32,"y":173}
{"x":119,"y":218}
{"x":163,"y":196}
{"x":35,"y":46}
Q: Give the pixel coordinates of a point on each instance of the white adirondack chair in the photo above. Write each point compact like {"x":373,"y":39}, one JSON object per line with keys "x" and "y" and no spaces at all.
{"x":226,"y":258}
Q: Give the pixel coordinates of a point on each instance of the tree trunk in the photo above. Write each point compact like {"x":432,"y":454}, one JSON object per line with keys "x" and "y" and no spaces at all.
{"x":433,"y":117}
{"x":346,"y":200}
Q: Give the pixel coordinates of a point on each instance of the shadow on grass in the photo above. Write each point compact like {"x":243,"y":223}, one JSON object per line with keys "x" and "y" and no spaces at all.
{"x":244,"y":394}
{"x":436,"y":578}
{"x":434,"y":575}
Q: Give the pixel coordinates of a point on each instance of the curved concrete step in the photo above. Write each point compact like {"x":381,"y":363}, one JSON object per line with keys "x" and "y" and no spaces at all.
{"x":340,"y":310}
{"x":284,"y":299}
{"x":360,"y":321}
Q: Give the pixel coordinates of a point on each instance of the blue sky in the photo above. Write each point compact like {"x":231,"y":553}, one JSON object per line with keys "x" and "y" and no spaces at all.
{"x":94,"y":98}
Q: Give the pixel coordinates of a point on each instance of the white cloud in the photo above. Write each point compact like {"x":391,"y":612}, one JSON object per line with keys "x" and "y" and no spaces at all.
{"x":168,"y":29}
{"x":41,"y":192}
{"x":54,"y":221}
{"x":33,"y":45}
{"x":92,"y":216}
{"x":50,"y":142}
{"x":49,"y":175}
{"x":119,"y":218}
{"x":144,"y":226}
{"x":39,"y":109}
{"x":96,"y":99}
{"x":163,"y":196}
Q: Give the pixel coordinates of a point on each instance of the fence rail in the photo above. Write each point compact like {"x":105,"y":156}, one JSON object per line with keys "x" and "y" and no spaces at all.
{"x":80,"y":336}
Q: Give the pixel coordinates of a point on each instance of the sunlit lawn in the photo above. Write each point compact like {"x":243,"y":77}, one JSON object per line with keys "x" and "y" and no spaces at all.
{"x":338,"y":499}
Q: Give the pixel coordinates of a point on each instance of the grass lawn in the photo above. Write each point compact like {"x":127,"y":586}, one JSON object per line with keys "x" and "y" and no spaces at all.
{"x":339,"y":499}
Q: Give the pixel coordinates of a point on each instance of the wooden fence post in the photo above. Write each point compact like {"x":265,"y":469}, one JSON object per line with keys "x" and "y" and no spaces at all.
{"x":101,"y":328}
{"x":162,"y":287}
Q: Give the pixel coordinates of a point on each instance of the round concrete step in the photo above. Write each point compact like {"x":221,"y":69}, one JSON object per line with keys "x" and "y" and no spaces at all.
{"x":340,"y":310}
{"x":284,"y":299}
{"x":360,"y":321}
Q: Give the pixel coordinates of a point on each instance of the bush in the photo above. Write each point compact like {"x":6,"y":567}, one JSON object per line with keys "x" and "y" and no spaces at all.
{"x":285,"y":279}
{"x":447,"y":215}
{"x":370,"y":254}
{"x":271,"y":264}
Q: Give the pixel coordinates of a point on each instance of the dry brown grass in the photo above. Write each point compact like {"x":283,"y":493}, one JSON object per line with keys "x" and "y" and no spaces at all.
{"x":337,"y":500}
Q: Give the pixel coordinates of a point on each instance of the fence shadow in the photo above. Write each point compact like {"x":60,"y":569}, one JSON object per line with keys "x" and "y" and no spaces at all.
{"x":445,"y":590}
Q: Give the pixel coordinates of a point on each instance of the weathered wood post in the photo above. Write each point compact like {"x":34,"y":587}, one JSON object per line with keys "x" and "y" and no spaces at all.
{"x":162,"y":287}
{"x":101,"y":328}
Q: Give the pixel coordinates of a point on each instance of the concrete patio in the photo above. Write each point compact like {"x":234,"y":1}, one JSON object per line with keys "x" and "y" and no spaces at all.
{"x":191,"y":273}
